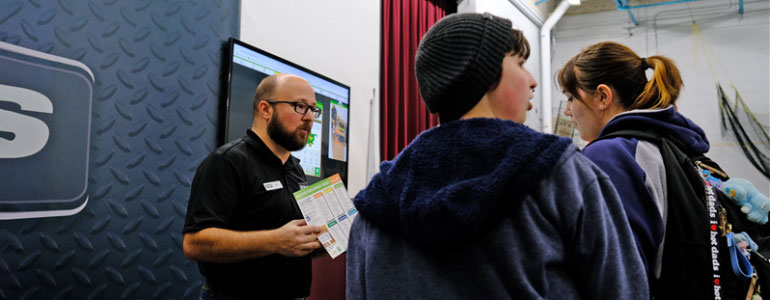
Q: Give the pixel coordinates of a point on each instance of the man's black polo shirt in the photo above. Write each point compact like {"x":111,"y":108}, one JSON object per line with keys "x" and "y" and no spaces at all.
{"x":243,"y":186}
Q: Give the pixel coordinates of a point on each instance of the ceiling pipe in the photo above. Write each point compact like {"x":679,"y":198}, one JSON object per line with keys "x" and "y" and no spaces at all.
{"x":545,"y":61}
{"x":623,"y":5}
{"x":526,"y":9}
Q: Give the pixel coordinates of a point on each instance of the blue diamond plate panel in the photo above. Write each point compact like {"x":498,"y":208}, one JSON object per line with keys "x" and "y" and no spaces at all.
{"x":147,"y":80}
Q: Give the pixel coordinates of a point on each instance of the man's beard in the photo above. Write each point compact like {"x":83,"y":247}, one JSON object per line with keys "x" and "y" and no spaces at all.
{"x":288,"y":140}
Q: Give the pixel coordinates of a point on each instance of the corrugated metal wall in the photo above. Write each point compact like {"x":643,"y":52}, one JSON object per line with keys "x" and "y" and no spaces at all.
{"x":154,"y":116}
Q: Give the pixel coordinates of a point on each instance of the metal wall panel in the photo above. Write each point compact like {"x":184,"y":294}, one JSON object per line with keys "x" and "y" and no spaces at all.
{"x":154,"y":116}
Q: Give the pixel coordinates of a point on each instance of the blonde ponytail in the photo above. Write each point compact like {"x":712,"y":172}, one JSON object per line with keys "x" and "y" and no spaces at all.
{"x":663,"y":88}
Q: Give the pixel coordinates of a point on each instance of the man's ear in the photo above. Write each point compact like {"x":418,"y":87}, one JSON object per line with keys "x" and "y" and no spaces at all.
{"x":265,"y":110}
{"x":605,"y":96}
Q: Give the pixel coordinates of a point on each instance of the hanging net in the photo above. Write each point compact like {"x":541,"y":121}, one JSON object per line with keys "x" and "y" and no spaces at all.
{"x":738,"y":121}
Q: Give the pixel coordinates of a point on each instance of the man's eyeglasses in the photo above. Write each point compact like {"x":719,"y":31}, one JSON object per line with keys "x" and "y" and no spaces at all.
{"x":299,"y":107}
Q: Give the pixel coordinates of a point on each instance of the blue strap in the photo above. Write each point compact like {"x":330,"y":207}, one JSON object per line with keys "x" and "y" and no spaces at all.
{"x":738,"y":261}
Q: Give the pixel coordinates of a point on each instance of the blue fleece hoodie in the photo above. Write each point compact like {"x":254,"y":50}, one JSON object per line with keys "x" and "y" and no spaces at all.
{"x":490,"y":209}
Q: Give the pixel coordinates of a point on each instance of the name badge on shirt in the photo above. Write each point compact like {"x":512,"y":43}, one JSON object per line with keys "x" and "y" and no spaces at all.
{"x":273,"y":185}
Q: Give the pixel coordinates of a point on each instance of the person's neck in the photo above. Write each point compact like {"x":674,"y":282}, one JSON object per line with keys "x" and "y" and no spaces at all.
{"x":279,"y":151}
{"x":610,"y":113}
{"x":480,"y":110}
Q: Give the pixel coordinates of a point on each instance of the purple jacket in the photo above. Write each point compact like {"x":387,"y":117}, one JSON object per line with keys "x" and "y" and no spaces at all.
{"x":637,"y":171}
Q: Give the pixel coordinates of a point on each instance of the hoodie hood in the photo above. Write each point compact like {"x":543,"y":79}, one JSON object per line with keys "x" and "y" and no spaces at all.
{"x":666,"y":121}
{"x":456,"y":179}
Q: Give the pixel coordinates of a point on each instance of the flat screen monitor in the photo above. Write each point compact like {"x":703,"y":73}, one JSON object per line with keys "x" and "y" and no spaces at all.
{"x":326,"y":152}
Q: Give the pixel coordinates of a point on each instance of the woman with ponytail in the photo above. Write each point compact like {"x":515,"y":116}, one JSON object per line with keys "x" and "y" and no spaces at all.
{"x":609,"y":94}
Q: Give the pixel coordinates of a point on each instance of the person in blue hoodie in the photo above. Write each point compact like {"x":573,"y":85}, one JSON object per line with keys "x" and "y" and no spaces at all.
{"x":481,"y":206}
{"x":608,"y":91}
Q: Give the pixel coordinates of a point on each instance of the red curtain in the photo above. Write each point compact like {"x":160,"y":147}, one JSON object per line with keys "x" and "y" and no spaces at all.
{"x":403,"y":114}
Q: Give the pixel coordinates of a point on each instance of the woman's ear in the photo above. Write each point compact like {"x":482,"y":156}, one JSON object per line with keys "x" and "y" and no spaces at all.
{"x":605,"y":96}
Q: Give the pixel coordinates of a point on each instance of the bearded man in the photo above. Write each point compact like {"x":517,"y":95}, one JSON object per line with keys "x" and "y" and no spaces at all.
{"x":243,"y":226}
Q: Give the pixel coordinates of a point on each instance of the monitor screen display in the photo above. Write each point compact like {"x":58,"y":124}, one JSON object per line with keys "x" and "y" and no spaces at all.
{"x":326,"y":152}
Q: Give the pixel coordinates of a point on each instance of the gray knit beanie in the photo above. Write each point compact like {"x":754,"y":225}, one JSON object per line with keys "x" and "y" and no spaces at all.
{"x":459,"y":59}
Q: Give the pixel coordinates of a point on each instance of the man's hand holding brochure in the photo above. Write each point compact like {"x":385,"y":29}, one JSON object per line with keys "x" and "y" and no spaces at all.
{"x":326,"y":203}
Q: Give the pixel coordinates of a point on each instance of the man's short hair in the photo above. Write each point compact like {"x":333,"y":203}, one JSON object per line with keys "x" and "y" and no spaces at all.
{"x":265,"y":90}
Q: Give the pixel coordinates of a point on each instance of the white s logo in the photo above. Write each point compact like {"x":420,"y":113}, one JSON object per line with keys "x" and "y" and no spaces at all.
{"x":31,"y":133}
